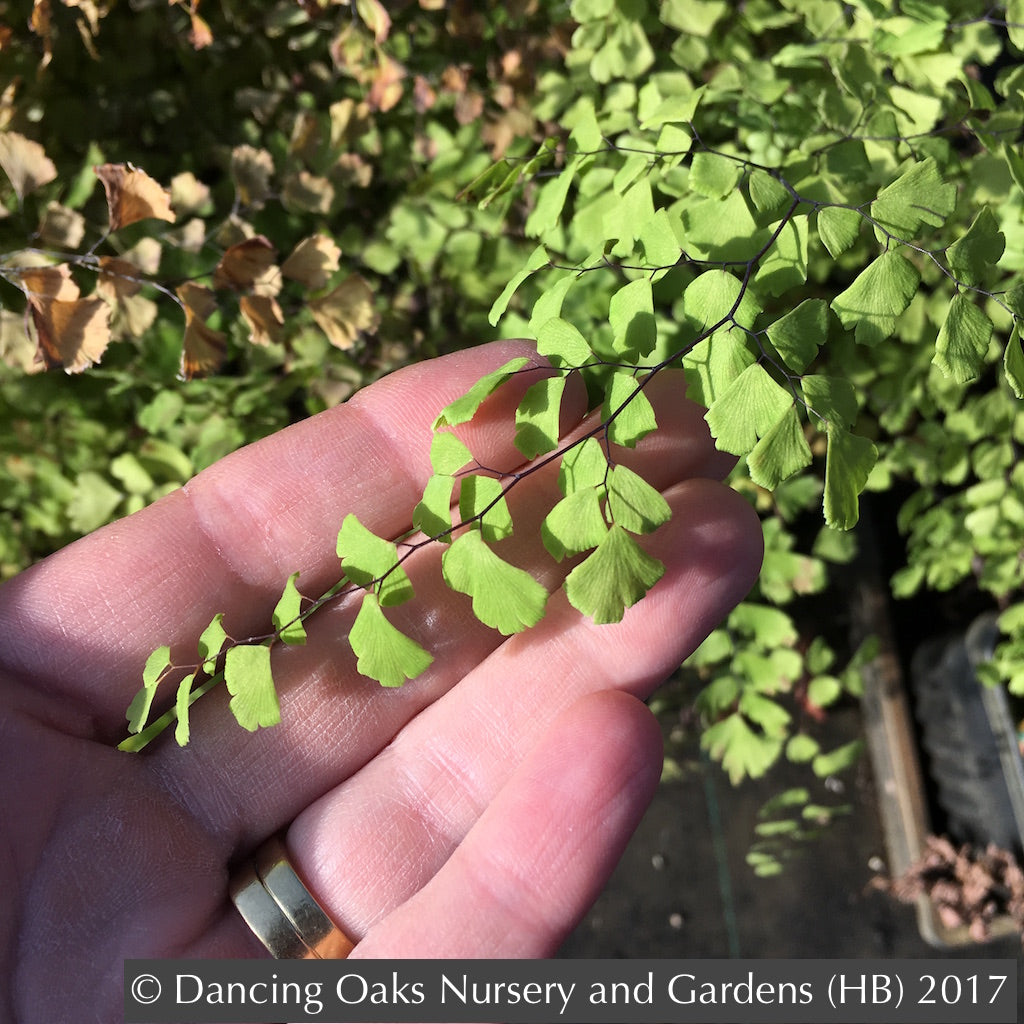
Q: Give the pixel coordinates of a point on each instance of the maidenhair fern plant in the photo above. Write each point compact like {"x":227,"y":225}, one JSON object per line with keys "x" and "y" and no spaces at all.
{"x":814,"y":209}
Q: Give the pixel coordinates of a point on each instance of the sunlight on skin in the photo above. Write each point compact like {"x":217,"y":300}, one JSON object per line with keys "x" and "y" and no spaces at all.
{"x":503,"y":782}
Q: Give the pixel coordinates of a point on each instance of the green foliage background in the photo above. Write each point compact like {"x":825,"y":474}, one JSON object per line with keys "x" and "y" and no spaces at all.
{"x":839,"y":187}
{"x":80,"y":450}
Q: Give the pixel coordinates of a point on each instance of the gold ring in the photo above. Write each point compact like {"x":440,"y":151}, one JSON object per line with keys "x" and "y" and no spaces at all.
{"x":282,"y":912}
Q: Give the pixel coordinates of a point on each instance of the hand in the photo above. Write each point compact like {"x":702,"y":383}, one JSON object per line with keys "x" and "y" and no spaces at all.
{"x":475,"y":812}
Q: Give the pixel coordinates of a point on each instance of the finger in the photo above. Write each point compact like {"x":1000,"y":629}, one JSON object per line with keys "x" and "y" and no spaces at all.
{"x":84,"y":621}
{"x":401,"y":816}
{"x":540,"y":853}
{"x":334,"y":721}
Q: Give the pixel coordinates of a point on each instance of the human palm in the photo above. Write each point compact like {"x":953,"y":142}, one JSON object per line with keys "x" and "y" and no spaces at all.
{"x":475,"y":812}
